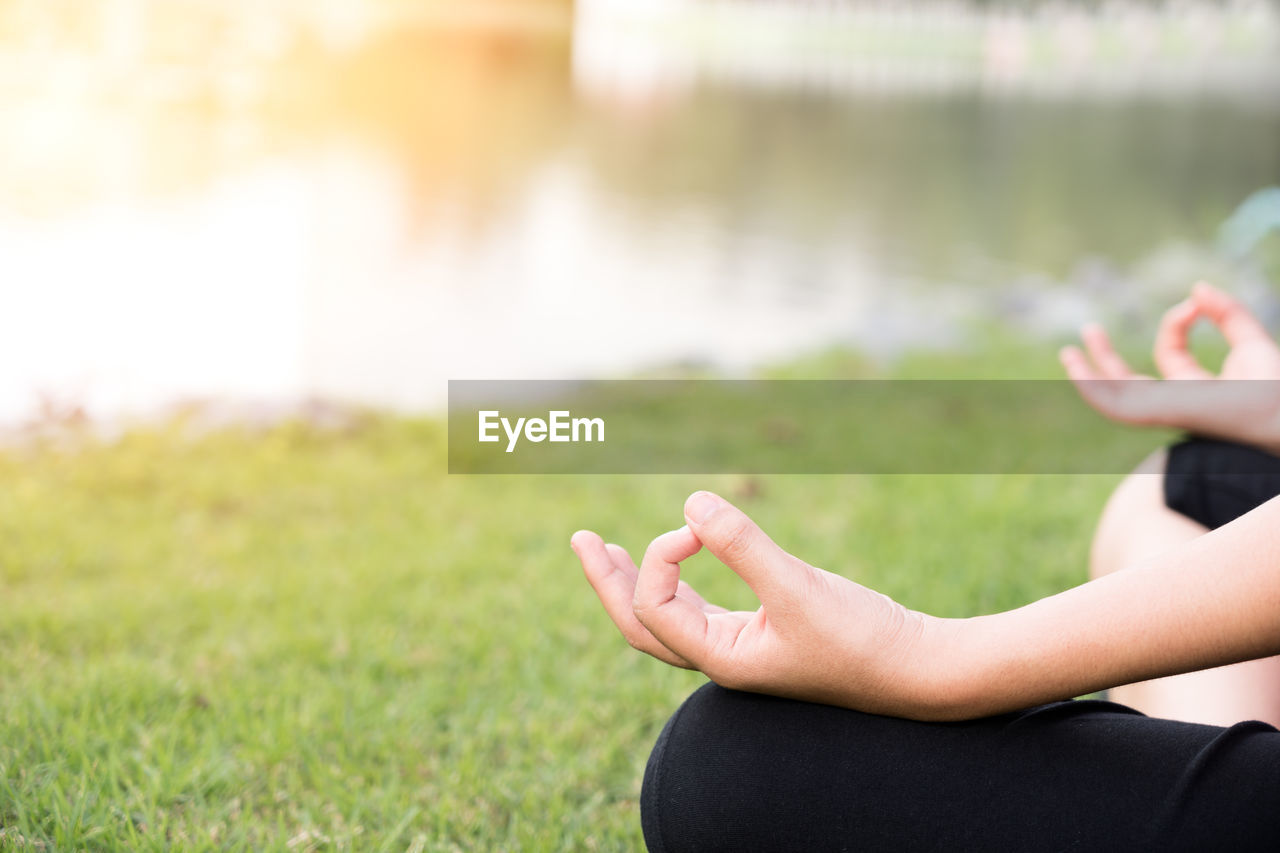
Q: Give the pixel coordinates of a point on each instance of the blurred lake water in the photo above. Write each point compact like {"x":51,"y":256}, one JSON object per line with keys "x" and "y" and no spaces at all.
{"x":260,"y":203}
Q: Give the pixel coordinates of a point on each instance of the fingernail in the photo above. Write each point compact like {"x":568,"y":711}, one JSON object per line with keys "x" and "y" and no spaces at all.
{"x":700,"y":506}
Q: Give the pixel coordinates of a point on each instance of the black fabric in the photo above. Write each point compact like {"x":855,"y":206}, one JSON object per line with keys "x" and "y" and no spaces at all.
{"x":1213,"y":482}
{"x":743,"y":772}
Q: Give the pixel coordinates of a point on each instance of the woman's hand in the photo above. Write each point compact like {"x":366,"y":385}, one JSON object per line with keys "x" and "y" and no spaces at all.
{"x":816,"y":635}
{"x":1248,"y":412}
{"x":822,"y":638}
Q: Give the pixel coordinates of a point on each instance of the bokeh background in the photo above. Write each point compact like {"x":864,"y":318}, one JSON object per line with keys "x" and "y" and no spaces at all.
{"x":244,"y":245}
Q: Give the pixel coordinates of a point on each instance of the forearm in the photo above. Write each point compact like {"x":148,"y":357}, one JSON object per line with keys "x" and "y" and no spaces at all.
{"x":1213,"y":601}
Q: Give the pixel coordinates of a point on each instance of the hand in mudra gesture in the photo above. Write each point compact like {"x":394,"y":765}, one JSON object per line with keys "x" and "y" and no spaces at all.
{"x":816,"y":635}
{"x":821,"y":637}
{"x":1244,"y":411}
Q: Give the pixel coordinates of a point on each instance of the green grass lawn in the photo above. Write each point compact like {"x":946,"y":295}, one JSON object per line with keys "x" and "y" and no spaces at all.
{"x":309,"y":639}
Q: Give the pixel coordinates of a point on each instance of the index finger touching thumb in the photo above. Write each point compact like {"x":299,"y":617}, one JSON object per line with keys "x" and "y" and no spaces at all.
{"x":740,"y":544}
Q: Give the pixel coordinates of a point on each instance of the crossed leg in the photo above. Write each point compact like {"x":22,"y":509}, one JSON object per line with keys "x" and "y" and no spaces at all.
{"x":1135,"y":526}
{"x":738,"y":771}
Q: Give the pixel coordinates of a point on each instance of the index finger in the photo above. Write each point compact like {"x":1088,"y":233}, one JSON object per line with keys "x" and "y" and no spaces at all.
{"x":615,"y":585}
{"x":1172,"y":357}
{"x":676,"y":622}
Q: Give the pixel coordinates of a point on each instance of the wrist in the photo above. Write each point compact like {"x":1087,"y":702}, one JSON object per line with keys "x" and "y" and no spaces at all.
{"x":949,"y":680}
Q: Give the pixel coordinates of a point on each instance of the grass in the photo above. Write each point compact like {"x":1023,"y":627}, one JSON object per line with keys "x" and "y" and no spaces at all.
{"x":316,"y":639}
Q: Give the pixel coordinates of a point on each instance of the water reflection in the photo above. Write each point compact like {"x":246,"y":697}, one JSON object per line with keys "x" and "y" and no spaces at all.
{"x":633,"y":49}
{"x":358,"y":208}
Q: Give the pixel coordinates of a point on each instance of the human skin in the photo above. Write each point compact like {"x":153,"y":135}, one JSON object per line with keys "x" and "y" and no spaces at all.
{"x":1136,"y":527}
{"x":1244,"y":408}
{"x":821,"y":637}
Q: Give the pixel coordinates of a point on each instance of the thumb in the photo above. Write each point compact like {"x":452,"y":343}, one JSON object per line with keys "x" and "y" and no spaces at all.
{"x":740,"y":544}
{"x":1228,"y":314}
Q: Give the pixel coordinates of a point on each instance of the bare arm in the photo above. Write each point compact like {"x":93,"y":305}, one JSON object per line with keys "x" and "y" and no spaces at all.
{"x":1213,"y":601}
{"x":824,"y":638}
{"x":821,"y":637}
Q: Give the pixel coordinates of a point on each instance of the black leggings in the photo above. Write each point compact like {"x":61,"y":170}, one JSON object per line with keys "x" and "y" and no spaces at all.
{"x":744,"y":772}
